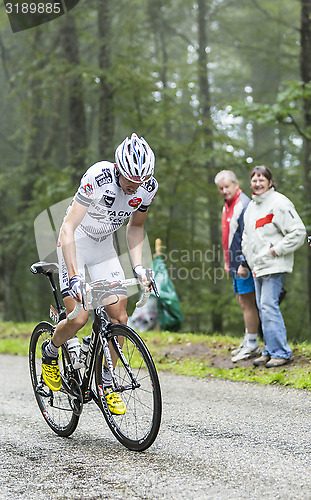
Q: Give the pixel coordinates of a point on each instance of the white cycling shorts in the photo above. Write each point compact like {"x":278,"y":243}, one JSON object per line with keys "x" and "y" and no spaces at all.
{"x":100,"y":259}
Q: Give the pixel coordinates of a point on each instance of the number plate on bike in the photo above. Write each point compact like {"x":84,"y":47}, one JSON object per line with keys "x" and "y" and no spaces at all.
{"x":54,"y":314}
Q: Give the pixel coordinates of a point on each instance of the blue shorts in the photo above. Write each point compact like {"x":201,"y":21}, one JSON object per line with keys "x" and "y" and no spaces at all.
{"x":242,"y":285}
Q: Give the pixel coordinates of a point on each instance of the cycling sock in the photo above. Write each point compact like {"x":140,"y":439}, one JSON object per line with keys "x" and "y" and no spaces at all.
{"x":51,"y":350}
{"x":107,"y":379}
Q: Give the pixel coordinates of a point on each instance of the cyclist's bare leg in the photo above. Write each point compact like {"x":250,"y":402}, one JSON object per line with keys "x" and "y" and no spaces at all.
{"x":66,"y":329}
{"x":117,"y":314}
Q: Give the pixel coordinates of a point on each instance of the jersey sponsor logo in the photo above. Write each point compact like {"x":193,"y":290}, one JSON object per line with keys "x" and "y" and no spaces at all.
{"x":104,"y":178}
{"x":265,"y":220}
{"x":108,"y":201}
{"x":99,"y":217}
{"x":110,"y":215}
{"x":88,"y":189}
{"x":149,"y":185}
{"x":135,"y":202}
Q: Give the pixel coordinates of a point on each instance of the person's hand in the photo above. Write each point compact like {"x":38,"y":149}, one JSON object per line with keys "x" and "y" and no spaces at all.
{"x":272,"y":251}
{"x":144,"y":275}
{"x":75,"y":288}
{"x":242,"y":272}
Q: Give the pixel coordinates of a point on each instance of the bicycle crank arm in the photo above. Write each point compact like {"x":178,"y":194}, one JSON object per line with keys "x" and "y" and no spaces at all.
{"x":73,"y":393}
{"x":40,"y":390}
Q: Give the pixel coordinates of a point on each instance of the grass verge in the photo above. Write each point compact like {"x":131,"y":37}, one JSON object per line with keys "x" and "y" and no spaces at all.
{"x":192,"y":355}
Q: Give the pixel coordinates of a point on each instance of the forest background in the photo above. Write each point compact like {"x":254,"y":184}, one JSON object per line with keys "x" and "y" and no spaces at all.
{"x":211,"y":85}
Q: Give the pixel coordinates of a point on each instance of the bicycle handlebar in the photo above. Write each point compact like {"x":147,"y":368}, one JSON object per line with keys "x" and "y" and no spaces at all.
{"x":86,"y":295}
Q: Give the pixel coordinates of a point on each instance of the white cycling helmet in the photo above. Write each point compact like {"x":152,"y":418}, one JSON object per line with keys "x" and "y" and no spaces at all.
{"x":135,"y":159}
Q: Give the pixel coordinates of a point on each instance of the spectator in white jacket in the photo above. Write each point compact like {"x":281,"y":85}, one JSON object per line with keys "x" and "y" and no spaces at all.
{"x":272,"y":232}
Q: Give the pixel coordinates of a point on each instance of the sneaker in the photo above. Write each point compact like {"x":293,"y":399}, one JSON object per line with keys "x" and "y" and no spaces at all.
{"x":275,"y":362}
{"x":236,"y":351}
{"x":246,"y":353}
{"x":262,"y":360}
{"x":50,"y":370}
{"x":115,"y":403}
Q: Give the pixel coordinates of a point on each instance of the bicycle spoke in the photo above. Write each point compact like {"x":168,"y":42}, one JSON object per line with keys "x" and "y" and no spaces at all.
{"x":56,"y":407}
{"x":136,"y":375}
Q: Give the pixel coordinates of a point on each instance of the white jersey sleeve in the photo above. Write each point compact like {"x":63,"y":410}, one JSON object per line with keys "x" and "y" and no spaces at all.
{"x":97,"y":176}
{"x":149,"y":189}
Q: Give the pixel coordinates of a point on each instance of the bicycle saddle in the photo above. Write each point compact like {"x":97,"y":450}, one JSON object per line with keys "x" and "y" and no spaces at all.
{"x":44,"y":268}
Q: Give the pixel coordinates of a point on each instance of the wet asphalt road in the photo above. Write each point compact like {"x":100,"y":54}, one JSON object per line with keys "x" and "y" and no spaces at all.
{"x":218,"y":440}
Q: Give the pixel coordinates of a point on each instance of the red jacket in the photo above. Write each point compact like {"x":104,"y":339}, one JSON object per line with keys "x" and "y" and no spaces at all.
{"x":232,"y":230}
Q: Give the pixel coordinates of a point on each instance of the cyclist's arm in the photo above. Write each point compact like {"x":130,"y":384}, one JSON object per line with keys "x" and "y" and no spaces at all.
{"x":71,"y":222}
{"x":135,"y":236}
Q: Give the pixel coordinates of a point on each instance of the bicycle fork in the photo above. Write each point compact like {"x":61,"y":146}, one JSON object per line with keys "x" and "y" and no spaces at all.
{"x":108,"y":359}
{"x":118,"y":349}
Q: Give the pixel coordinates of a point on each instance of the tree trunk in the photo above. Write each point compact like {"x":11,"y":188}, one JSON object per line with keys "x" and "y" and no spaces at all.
{"x":209,"y":170}
{"x":76,"y":113}
{"x":305,"y":71}
{"x":106,"y":108}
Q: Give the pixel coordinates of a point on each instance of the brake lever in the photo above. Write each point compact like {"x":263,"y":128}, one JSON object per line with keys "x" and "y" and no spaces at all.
{"x":155,"y":288}
{"x":149,"y":275}
{"x":84,"y":296}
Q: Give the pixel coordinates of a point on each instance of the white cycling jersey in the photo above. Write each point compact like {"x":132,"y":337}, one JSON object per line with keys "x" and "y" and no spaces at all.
{"x":108,"y":206}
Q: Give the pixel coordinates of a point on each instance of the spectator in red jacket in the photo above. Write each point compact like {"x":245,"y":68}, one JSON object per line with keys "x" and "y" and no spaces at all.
{"x":235,"y":205}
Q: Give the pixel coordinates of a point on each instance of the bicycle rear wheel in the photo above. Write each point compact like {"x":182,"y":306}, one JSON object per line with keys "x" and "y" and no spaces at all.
{"x":57,"y":408}
{"x":139,"y":426}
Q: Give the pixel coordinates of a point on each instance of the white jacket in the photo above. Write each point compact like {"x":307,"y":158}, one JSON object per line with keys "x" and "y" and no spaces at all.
{"x":271,"y":220}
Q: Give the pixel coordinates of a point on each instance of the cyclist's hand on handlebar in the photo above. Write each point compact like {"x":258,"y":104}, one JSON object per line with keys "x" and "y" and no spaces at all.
{"x":145,"y":275}
{"x":75,"y":288}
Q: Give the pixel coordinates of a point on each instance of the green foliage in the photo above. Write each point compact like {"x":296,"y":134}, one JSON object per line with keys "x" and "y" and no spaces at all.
{"x":288,"y":104}
{"x":252,"y":55}
{"x":177,"y":353}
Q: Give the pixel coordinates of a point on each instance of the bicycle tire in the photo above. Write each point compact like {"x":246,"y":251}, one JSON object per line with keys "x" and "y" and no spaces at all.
{"x":138,"y":428}
{"x":55,"y":406}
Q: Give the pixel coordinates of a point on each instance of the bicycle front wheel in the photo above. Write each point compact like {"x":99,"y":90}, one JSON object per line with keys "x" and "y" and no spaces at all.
{"x":57,"y":407}
{"x":139,"y":389}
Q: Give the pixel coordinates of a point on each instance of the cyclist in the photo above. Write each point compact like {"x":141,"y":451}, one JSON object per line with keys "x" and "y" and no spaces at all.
{"x":108,"y":195}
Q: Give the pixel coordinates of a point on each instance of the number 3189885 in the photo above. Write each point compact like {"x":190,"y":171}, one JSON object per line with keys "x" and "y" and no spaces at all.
{"x":33,"y":8}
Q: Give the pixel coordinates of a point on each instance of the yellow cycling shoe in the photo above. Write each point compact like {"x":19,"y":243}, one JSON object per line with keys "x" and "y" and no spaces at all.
{"x":115,"y":403}
{"x":50,"y":371}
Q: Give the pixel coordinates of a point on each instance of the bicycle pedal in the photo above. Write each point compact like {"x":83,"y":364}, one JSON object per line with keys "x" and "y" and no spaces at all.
{"x":42,"y":392}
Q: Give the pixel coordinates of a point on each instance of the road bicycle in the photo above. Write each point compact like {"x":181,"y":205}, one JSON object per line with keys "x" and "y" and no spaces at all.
{"x":134,"y":376}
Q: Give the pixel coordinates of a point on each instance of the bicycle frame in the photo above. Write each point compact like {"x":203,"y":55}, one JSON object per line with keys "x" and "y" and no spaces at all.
{"x":100,"y":328}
